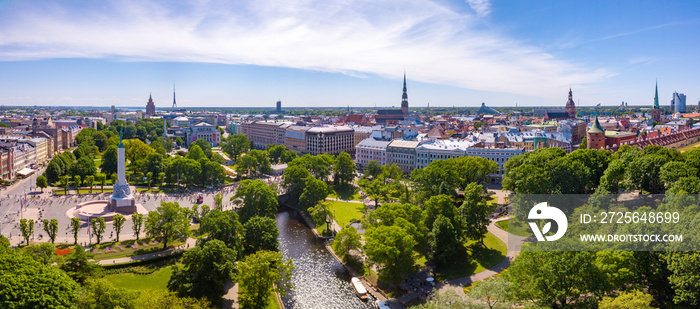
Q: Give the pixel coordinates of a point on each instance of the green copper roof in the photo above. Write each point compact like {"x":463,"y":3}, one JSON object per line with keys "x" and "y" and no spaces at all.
{"x":596,"y":128}
{"x":656,"y":96}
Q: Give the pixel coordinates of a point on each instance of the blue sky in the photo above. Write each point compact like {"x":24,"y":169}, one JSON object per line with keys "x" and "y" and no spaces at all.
{"x":338,"y":53}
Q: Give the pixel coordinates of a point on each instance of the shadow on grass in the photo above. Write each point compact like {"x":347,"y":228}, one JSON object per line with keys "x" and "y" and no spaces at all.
{"x":347,"y":192}
{"x":472,"y":259}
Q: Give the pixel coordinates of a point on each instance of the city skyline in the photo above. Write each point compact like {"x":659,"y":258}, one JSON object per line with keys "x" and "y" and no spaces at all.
{"x":318,"y":54}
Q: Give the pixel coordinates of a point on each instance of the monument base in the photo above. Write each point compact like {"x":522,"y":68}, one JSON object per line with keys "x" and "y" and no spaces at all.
{"x":125,"y":204}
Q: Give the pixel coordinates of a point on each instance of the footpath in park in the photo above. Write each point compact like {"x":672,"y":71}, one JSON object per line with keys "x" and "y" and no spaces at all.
{"x":189,"y":243}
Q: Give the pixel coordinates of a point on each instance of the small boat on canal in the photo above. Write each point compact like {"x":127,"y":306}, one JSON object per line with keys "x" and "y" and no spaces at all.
{"x":360,"y":289}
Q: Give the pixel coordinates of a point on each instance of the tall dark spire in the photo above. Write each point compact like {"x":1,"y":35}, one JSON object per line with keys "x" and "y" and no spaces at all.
{"x":656,"y":96}
{"x":404,"y":97}
{"x":174,"y":103}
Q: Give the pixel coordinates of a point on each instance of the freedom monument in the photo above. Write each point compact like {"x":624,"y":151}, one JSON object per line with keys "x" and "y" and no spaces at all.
{"x":122,"y":201}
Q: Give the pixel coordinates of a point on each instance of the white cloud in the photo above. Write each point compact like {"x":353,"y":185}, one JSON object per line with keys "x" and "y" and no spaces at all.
{"x":433,"y":43}
{"x":481,"y":7}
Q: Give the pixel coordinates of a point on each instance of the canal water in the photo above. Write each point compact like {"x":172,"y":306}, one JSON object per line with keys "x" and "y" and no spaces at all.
{"x":319,"y":280}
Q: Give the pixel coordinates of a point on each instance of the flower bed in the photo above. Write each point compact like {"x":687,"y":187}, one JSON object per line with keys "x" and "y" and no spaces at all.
{"x":63,"y":252}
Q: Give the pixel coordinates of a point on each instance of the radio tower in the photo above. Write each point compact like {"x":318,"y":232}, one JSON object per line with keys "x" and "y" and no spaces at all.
{"x":174,"y":103}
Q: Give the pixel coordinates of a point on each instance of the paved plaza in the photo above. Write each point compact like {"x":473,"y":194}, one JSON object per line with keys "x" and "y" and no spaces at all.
{"x":48,"y":206}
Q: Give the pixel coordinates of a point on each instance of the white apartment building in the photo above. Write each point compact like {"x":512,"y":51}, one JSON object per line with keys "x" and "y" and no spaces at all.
{"x":447,"y":149}
{"x":371,"y":149}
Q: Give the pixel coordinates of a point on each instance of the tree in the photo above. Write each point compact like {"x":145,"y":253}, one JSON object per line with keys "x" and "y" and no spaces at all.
{"x":135,"y":149}
{"x":195,"y":153}
{"x":627,"y":300}
{"x":149,"y":179}
{"x":206,"y":270}
{"x":294,"y":179}
{"x":27,"y":283}
{"x":373,"y":169}
{"x":684,"y":267}
{"x":235,"y":145}
{"x":118,"y":224}
{"x":263,"y":273}
{"x":475,"y":211}
{"x":276,"y":152}
{"x":64,"y":184}
{"x":315,"y":191}
{"x":44,"y":253}
{"x":260,"y":233}
{"x":224,"y":226}
{"x":100,"y":178}
{"x":101,"y":294}
{"x":51,"y":228}
{"x":75,"y":228}
{"x":673,"y":171}
{"x":644,"y":172}
{"x":98,"y":227}
{"x":346,"y":240}
{"x":441,"y":205}
{"x":168,"y":222}
{"x":78,"y":265}
{"x":392,"y":248}
{"x":553,"y":279}
{"x":53,"y":170}
{"x":76,"y":183}
{"x":584,"y":144}
{"x":218,"y":201}
{"x":41,"y":182}
{"x":84,"y":167}
{"x":444,"y":242}
{"x":137,"y":220}
{"x":203,"y":145}
{"x":320,"y":213}
{"x":26,"y":227}
{"x":110,"y":160}
{"x":344,"y":169}
{"x":257,"y":198}
{"x":89,"y":181}
{"x":491,"y":291}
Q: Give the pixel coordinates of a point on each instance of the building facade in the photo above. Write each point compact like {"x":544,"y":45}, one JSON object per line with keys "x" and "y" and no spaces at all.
{"x":331,"y":140}
{"x":150,"y":106}
{"x":263,"y":133}
{"x":369,"y":150}
{"x":403,"y":154}
{"x":205,"y":131}
{"x":679,"y":102}
{"x":295,"y":139}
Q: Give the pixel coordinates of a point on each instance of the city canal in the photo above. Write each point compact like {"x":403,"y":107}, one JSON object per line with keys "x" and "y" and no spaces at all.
{"x":320,"y":281}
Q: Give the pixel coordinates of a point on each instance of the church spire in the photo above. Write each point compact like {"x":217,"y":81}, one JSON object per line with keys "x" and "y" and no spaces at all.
{"x":656,"y":96}
{"x":404,"y":96}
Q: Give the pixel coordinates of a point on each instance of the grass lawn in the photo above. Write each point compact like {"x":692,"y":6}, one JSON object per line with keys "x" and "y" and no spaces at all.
{"x":519,"y":230}
{"x":95,"y":190}
{"x":475,"y":259}
{"x":346,"y":212}
{"x":157,"y":280}
{"x":155,"y":190}
{"x":128,"y":250}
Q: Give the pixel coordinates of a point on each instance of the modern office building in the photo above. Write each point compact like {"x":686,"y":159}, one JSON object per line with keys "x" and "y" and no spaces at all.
{"x":679,"y":102}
